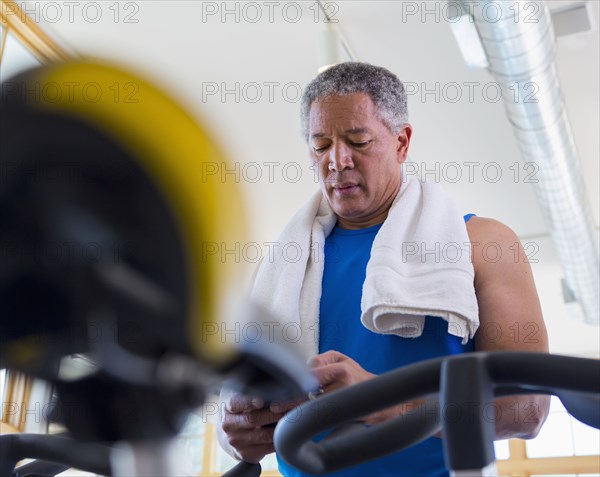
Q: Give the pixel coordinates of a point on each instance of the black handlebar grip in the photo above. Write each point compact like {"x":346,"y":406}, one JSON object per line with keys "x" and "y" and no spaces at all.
{"x":84,"y":456}
{"x":466,"y":392}
{"x":244,"y":469}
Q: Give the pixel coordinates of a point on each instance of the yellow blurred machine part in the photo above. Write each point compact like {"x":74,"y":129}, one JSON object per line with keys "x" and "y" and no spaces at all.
{"x":140,"y":136}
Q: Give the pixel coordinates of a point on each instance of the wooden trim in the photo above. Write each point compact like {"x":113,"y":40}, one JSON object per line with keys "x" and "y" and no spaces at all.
{"x":517,"y":449}
{"x":17,"y":396}
{"x":588,"y":464}
{"x":3,"y":41}
{"x":27,"y":385}
{"x":7,"y":429}
{"x":209,"y":449}
{"x":29,"y":33}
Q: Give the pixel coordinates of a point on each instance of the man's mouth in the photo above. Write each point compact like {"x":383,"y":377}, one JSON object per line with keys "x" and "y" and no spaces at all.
{"x":344,"y":188}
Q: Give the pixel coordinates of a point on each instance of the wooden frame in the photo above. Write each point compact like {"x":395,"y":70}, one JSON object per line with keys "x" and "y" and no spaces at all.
{"x":519,"y":465}
{"x":3,"y":38}
{"x":15,"y":20}
{"x":16,"y":401}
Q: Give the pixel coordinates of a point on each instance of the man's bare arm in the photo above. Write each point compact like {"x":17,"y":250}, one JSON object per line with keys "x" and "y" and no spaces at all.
{"x":510,"y":317}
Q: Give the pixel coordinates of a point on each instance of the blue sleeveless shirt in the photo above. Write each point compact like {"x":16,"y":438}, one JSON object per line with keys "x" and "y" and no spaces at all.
{"x":347,"y":253}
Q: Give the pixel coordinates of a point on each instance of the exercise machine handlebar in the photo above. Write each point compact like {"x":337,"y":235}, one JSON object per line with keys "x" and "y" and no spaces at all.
{"x":489,"y":375}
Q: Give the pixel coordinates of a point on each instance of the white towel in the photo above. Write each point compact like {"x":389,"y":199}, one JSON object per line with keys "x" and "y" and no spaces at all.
{"x":420,"y":265}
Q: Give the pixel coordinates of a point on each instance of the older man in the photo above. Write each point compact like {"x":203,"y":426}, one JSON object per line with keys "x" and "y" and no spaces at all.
{"x":355,"y":121}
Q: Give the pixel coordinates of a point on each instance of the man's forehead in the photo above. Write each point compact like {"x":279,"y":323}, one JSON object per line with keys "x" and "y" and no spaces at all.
{"x":354,"y":117}
{"x":352,"y":105}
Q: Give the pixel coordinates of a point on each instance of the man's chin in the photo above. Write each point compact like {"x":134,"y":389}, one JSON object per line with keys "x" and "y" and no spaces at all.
{"x":346,"y":207}
{"x":348,"y":213}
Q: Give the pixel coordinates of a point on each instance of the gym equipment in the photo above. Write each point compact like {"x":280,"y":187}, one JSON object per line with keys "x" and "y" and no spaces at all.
{"x":109,"y":221}
{"x":465,"y":386}
{"x":461,"y":387}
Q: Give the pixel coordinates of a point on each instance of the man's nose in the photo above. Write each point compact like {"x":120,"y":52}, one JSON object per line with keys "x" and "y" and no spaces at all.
{"x":341,"y":158}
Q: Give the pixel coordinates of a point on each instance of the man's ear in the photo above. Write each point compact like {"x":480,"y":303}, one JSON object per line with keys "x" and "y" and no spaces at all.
{"x":403,"y":137}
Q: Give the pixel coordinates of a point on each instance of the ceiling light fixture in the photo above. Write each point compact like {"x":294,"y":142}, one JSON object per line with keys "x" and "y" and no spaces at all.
{"x":333,"y":46}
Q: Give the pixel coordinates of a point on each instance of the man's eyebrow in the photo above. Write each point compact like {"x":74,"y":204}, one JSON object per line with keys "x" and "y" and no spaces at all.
{"x":347,"y":131}
{"x":356,"y":131}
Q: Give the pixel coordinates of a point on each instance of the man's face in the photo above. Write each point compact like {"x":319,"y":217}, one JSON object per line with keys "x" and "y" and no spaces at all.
{"x":357,"y":157}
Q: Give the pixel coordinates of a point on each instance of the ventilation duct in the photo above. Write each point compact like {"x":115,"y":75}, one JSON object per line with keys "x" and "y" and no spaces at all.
{"x":520,"y":45}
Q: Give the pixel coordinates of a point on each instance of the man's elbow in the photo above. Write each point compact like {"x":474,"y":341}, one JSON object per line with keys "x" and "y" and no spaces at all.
{"x":533,"y":428}
{"x":536,"y":412}
{"x":523,"y":417}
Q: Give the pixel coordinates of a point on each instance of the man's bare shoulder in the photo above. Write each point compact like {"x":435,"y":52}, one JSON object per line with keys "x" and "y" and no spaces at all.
{"x":485,"y":229}
{"x":496,"y":250}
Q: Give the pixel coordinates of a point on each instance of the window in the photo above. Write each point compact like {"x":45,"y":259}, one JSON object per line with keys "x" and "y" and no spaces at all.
{"x":502,"y":449}
{"x":191,"y":444}
{"x":563,"y":435}
{"x":2,"y":389}
{"x":200,"y":450}
{"x":15,"y":58}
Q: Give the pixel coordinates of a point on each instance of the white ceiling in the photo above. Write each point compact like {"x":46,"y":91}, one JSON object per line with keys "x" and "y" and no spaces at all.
{"x":187,"y":53}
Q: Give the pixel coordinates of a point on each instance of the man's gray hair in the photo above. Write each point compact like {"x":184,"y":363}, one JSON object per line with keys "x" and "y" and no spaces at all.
{"x":385,"y":89}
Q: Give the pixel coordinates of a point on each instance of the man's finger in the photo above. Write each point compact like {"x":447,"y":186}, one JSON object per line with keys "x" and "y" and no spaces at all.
{"x":237,"y":403}
{"x":323,"y":359}
{"x":256,"y":437}
{"x":249,"y":420}
{"x":330,"y":374}
{"x":251,"y":445}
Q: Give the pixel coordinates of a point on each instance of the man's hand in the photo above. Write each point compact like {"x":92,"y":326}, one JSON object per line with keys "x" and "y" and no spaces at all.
{"x":246,"y":427}
{"x":335,"y":370}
